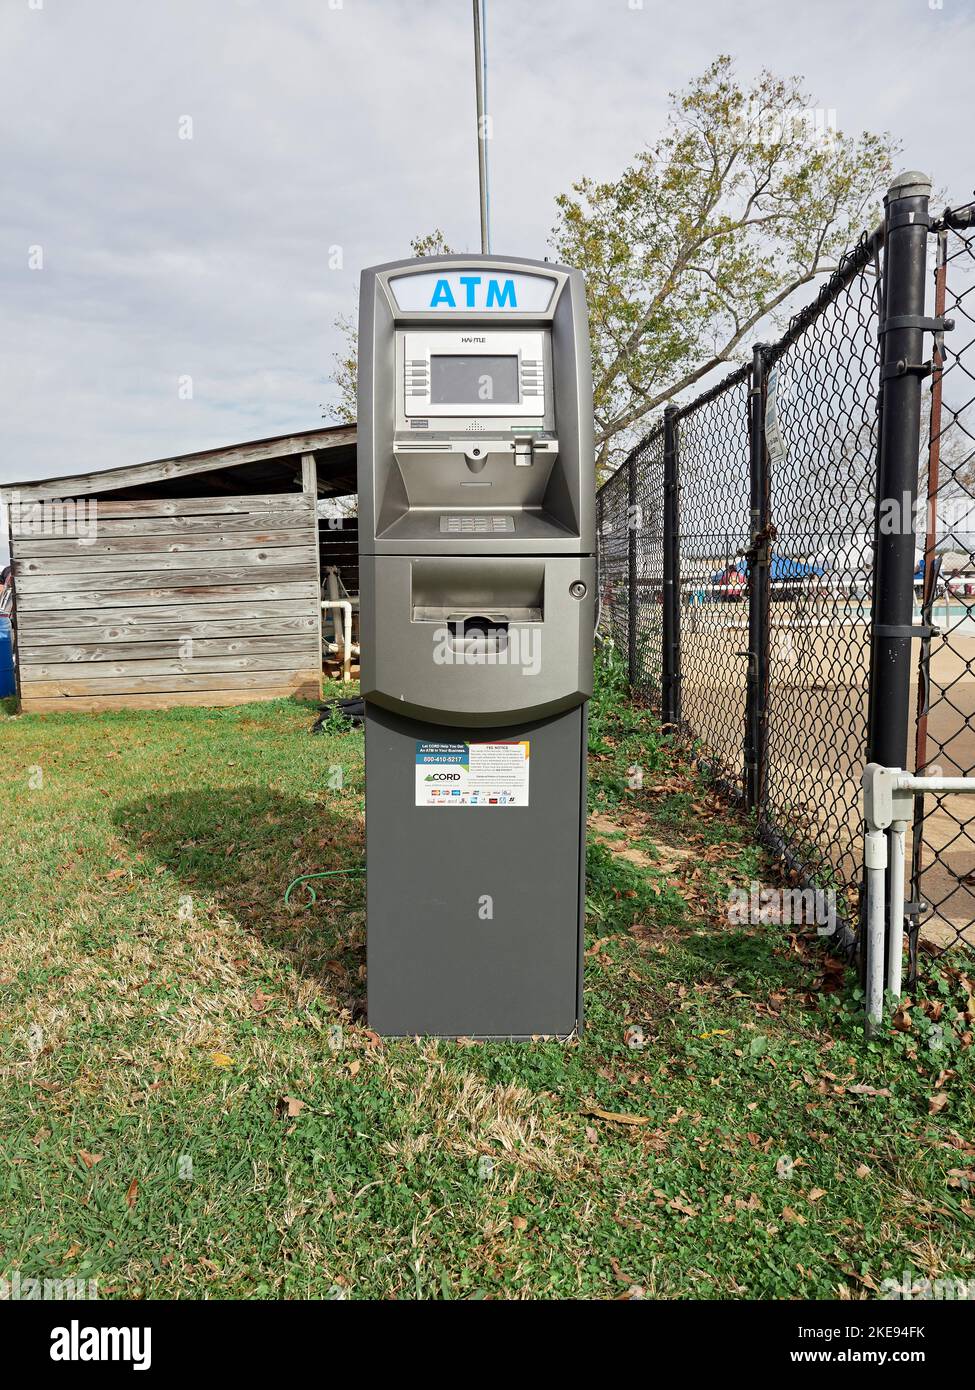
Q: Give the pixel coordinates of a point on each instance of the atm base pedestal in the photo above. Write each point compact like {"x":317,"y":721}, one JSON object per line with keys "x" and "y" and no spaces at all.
{"x":475,"y":912}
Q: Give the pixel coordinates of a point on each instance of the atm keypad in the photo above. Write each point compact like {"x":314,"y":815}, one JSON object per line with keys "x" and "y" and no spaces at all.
{"x":476,"y":525}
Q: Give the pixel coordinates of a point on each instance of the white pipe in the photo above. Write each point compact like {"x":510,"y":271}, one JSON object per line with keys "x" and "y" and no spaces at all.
{"x":875,"y":845}
{"x":346,"y":608}
{"x":905,"y":782}
{"x":895,"y":954}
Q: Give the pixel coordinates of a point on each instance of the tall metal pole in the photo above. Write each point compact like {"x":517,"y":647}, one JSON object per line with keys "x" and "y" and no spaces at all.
{"x":670,"y":627}
{"x":902,"y":368}
{"x":480,"y":83}
{"x":759,"y":611}
{"x":902,"y":332}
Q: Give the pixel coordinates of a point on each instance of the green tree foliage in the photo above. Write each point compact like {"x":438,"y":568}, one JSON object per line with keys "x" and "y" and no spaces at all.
{"x":749,"y":195}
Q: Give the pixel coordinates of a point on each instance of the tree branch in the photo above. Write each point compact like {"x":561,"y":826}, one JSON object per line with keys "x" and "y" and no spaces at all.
{"x":722,"y":356}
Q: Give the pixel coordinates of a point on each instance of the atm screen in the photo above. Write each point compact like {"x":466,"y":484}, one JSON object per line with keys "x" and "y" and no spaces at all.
{"x":458,"y":380}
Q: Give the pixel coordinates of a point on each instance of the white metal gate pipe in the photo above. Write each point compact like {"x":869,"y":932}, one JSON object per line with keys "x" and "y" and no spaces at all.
{"x":875,"y":862}
{"x":906,"y":782}
{"x":895,"y":954}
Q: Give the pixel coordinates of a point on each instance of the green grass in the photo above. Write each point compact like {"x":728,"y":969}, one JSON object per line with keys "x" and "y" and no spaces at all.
{"x":192,"y":1105}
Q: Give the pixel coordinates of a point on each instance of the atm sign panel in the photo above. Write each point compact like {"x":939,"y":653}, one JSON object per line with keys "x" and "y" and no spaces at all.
{"x":473,"y":290}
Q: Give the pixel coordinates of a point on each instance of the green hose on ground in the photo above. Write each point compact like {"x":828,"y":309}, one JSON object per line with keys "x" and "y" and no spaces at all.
{"x":303,"y":878}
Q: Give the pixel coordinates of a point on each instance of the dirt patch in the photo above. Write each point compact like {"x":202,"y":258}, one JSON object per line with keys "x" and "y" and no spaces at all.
{"x":665,"y":857}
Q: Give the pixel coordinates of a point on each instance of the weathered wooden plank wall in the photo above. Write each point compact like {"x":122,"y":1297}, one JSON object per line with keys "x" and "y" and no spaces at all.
{"x":204,"y":601}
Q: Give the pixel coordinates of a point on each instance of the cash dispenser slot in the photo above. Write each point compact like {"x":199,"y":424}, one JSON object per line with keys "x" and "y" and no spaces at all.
{"x":453,"y":591}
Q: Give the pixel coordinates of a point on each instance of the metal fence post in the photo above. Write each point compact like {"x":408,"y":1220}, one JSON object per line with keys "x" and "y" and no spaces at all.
{"x":633,"y":602}
{"x":902,"y":368}
{"x":759,"y":611}
{"x":670,"y":665}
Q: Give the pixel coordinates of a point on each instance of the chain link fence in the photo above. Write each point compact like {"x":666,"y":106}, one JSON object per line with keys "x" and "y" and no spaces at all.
{"x":821,"y":415}
{"x":613,"y":555}
{"x":786,"y":641}
{"x":712,"y":443}
{"x":943,"y":843}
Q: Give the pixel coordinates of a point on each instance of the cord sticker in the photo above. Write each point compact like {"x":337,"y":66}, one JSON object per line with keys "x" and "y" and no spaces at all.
{"x":472,"y":774}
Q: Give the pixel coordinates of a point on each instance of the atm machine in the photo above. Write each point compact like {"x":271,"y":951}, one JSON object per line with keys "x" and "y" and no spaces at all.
{"x":477,"y":537}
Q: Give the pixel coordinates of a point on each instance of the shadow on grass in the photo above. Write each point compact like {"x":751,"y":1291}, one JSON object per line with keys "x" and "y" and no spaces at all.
{"x":756,"y":957}
{"x":242,"y":846}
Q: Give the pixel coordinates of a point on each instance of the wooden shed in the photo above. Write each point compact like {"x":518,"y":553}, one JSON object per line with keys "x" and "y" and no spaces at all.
{"x":192,"y":580}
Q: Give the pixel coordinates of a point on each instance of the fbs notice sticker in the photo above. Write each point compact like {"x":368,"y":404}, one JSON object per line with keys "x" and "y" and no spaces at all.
{"x":472,"y":774}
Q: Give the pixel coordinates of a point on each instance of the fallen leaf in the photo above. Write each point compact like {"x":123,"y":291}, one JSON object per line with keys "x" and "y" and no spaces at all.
{"x":220,"y":1059}
{"x":789,"y":1215}
{"x":72,"y":1251}
{"x":863,"y":1171}
{"x":676,"y":1204}
{"x":89,"y":1160}
{"x":132,"y":1195}
{"x":937,"y":1103}
{"x":290,"y":1106}
{"x":815,"y":1193}
{"x":259,"y":1000}
{"x":520,"y":1223}
{"x":863,"y":1279}
{"x":354,"y":1067}
{"x":615,"y":1116}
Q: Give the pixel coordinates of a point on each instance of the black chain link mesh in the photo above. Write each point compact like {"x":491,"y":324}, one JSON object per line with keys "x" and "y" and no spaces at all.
{"x":943,"y":850}
{"x":712,"y":472}
{"x":612,"y":550}
{"x":648,"y":535}
{"x":821,"y":431}
{"x":821,"y":435}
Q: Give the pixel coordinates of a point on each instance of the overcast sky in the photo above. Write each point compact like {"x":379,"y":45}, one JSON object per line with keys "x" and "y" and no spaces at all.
{"x":319,"y":125}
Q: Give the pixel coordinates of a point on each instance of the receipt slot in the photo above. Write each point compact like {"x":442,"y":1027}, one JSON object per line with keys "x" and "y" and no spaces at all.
{"x":476,"y":535}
